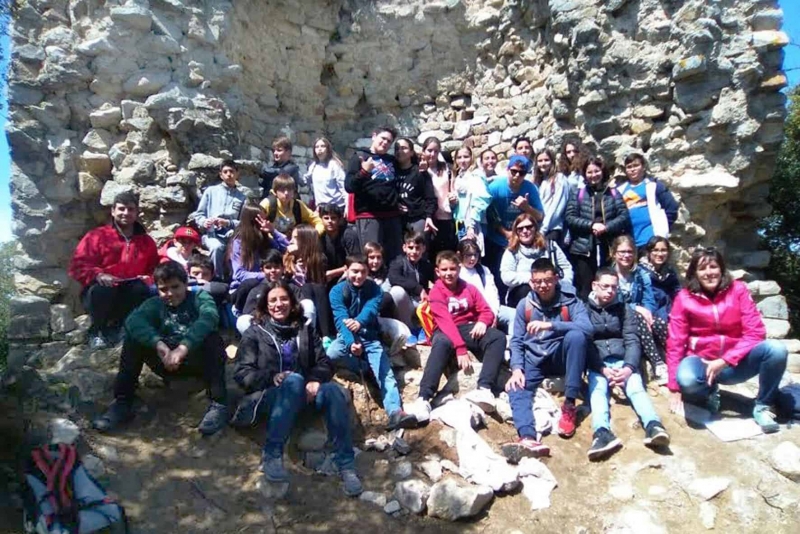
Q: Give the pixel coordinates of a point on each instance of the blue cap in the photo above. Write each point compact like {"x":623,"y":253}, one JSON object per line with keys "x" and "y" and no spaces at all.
{"x":516,"y":159}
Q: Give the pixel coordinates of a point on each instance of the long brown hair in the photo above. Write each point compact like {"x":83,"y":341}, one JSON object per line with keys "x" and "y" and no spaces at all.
{"x":253,"y":242}
{"x":309,"y":250}
{"x":261,"y":311}
{"x":332,"y":155}
{"x":538,"y":177}
{"x":565,"y":166}
{"x":539,"y":241}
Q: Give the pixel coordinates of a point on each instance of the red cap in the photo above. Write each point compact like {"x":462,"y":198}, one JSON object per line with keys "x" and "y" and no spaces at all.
{"x":184,"y":232}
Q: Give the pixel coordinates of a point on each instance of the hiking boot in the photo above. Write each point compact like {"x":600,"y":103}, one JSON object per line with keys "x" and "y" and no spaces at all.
{"x":603,"y":444}
{"x":655,"y":435}
{"x":97,"y":342}
{"x":119,"y":412}
{"x":483,"y":398}
{"x":401,"y":419}
{"x":273,"y":469}
{"x":568,"y":421}
{"x":714,"y":401}
{"x":421,"y":409}
{"x":765,"y":419}
{"x":352,"y":484}
{"x":514,"y":451}
{"x":215,"y":419}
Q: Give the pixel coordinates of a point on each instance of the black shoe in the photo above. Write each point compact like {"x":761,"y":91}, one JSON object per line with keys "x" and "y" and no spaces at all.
{"x":118,"y":413}
{"x":603,"y":444}
{"x":215,"y":419}
{"x":655,"y":435}
{"x":401,"y":419}
{"x":113,"y":335}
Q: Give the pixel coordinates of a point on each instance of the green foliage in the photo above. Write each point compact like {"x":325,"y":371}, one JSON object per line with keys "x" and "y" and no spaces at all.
{"x":781,"y":230}
{"x":6,"y":290}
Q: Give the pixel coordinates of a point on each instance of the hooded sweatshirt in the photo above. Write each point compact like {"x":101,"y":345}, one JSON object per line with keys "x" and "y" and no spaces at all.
{"x":362,"y":304}
{"x":554,"y":197}
{"x":515,"y":267}
{"x":615,"y":334}
{"x":453,"y":308}
{"x":377,"y":194}
{"x":417,"y":193}
{"x":327,"y":181}
{"x":223,"y":202}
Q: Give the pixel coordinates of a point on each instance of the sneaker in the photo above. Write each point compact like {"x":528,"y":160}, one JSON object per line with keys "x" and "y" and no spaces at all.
{"x":765,"y":419}
{"x":118,"y":413}
{"x":326,"y":342}
{"x":568,"y":421}
{"x":113,"y":335}
{"x":714,"y":401}
{"x":215,"y":419}
{"x":97,"y":343}
{"x":483,"y":398}
{"x":422,"y":339}
{"x":503,"y":407}
{"x":655,"y":435}
{"x":273,"y":469}
{"x":401,"y":419}
{"x":411,"y":340}
{"x":514,"y":451}
{"x":603,"y":444}
{"x":421,"y":409}
{"x":660,"y":374}
{"x":352,"y":484}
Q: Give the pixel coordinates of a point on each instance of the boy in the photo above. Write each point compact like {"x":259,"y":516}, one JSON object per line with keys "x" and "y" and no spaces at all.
{"x":462,"y":319}
{"x":285,"y":211}
{"x":217,"y":215}
{"x":410,"y":276}
{"x":282,"y":163}
{"x":355,"y":303}
{"x":175,"y":334}
{"x":551,"y":337}
{"x":114,"y":264}
{"x":201,"y":276}
{"x":338,"y":241}
{"x":181,"y":247}
{"x":614,"y":361}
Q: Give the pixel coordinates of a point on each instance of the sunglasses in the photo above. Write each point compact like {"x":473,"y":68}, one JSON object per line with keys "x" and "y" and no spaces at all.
{"x":516,"y":172}
{"x":525,"y":228}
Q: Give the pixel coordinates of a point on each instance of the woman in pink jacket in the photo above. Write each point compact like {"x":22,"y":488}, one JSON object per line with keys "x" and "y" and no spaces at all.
{"x":716,"y":336}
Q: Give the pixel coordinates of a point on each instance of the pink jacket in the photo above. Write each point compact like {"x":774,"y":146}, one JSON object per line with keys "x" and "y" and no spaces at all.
{"x":450,"y":309}
{"x":727,"y":327}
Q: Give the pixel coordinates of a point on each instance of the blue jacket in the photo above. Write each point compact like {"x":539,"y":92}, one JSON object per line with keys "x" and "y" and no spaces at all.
{"x":359,"y":303}
{"x":533,"y":351}
{"x":641,"y":293}
{"x":665,"y":284}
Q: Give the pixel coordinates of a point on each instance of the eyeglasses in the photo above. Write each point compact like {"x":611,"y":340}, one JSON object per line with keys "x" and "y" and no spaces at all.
{"x":525,"y":228}
{"x":516,"y":172}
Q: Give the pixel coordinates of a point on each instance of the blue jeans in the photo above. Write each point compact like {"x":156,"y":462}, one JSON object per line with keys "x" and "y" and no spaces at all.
{"x":216,"y":247}
{"x":287,"y":401}
{"x":767,"y":360}
{"x":505,"y":319}
{"x":634,"y":389}
{"x":378,"y":361}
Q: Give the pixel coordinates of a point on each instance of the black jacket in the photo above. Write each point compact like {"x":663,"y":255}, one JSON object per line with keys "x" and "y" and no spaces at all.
{"x":417,"y":193}
{"x":614,"y":334}
{"x":255,"y":294}
{"x":336,"y":249}
{"x":587,"y":206}
{"x":412,"y":278}
{"x":376,"y":193}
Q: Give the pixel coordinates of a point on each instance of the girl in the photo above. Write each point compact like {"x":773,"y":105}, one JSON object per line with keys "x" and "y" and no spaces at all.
{"x":488,"y":165}
{"x":571,"y":161}
{"x":326,"y":175}
{"x":595,"y":215}
{"x":554,"y":193}
{"x":636,"y":291}
{"x":526,"y":245}
{"x":444,"y":229}
{"x":652,"y":207}
{"x":417,"y":197}
{"x":717,"y":336}
{"x":282,"y":366}
{"x":251,"y":241}
{"x":472,"y":198}
{"x":479,"y":276}
{"x":663,"y":276}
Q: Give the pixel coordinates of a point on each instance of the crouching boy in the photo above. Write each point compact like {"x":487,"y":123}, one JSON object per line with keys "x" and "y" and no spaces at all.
{"x":614,"y":361}
{"x":175,"y":334}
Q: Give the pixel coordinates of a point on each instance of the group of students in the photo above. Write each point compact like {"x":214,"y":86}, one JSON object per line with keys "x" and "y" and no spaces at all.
{"x":555,"y":272}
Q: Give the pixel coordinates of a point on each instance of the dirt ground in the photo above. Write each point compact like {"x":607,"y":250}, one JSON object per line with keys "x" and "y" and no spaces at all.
{"x":170,"y":479}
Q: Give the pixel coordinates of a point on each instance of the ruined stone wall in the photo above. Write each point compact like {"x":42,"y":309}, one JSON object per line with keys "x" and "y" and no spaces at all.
{"x":112,"y":95}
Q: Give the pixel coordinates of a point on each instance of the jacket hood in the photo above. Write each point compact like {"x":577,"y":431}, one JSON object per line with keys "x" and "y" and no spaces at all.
{"x":592,"y":301}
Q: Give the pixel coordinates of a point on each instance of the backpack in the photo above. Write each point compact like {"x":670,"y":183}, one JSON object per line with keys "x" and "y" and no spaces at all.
{"x":61,"y":497}
{"x":582,"y":193}
{"x":788,"y":401}
{"x":272,"y":210}
{"x":529,"y":312}
{"x":551,"y":254}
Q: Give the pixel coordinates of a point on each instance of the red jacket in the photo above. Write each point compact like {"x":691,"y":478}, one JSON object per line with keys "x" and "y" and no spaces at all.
{"x":106,"y":250}
{"x":451,"y":309}
{"x":728,"y":326}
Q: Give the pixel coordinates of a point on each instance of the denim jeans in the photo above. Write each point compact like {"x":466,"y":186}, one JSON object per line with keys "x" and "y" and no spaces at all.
{"x":378,"y":361}
{"x":634,"y":389}
{"x":404,"y":304}
{"x":767,"y":360}
{"x":288,"y":400}
{"x":216,"y":247}
{"x":505,"y":319}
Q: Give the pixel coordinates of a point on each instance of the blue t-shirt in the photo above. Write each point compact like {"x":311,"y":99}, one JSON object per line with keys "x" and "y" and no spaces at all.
{"x":635,"y":197}
{"x":504,"y":210}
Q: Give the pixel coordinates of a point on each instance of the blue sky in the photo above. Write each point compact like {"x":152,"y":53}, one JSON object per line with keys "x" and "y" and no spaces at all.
{"x":791,"y":25}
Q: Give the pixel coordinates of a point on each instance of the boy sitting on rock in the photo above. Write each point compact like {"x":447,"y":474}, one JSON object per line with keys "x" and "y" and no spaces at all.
{"x":175,"y":334}
{"x":410,"y":276}
{"x":285,"y":211}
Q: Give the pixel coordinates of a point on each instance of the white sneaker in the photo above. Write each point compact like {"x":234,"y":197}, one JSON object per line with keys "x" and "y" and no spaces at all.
{"x":483,"y":398}
{"x":661,"y":374}
{"x":421,"y":409}
{"x":503,"y":407}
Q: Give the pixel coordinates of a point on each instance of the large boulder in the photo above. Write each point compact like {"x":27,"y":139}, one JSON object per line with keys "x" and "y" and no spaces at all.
{"x":29,"y":318}
{"x":453,"y":500}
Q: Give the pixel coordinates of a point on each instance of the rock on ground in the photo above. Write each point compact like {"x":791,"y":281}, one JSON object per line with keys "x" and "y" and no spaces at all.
{"x":453,"y":500}
{"x":785,"y":459}
{"x":412,"y":494}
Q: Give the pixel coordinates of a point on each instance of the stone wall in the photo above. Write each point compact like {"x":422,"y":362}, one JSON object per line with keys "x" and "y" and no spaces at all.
{"x":112,"y":95}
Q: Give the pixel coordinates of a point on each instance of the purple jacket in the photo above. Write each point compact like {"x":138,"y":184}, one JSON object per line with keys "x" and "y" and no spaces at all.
{"x":242,"y":273}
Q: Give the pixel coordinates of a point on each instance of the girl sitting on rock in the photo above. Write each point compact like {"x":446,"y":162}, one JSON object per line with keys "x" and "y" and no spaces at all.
{"x":663,"y":276}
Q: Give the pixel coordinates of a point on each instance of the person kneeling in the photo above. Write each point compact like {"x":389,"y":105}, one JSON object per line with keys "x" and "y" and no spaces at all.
{"x":551,"y":337}
{"x":175,"y":334}
{"x":615,"y":362}
{"x":281,"y":365}
{"x":356,"y":303}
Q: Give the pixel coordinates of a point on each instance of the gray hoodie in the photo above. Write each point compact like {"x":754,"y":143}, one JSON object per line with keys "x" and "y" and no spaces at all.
{"x":220,"y":201}
{"x":515,"y":267}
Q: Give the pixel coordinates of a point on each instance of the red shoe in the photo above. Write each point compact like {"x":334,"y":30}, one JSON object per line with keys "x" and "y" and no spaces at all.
{"x":568,"y":421}
{"x":514,"y":451}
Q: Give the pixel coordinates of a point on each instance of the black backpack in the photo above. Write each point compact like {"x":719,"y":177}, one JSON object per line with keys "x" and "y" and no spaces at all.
{"x":272,"y":210}
{"x":788,"y":402}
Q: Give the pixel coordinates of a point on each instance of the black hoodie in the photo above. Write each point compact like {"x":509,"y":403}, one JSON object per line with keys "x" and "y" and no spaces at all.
{"x":377,"y":194}
{"x":416,"y":192}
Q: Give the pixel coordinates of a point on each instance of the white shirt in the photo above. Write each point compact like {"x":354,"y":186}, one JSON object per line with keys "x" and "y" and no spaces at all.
{"x":489,"y":291}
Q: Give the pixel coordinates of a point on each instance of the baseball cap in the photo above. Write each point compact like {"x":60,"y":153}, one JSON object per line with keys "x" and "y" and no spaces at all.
{"x":184,"y":232}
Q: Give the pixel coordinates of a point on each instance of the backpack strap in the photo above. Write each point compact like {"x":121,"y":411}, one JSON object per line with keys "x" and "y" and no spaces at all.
{"x":303,"y":345}
{"x":272,"y":207}
{"x":482,"y":275}
{"x":528,"y":310}
{"x":298,"y":214}
{"x":581,"y":194}
{"x":565,"y":314}
{"x":58,"y":476}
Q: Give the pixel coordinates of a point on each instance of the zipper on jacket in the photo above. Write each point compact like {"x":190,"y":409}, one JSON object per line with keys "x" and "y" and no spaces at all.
{"x":716,"y":325}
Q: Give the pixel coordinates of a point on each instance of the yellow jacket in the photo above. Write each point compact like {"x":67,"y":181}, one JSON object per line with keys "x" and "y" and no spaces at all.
{"x":284,"y":219}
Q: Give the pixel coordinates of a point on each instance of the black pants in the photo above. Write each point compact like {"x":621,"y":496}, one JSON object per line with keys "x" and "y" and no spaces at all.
{"x":109,"y":306}
{"x":388,"y":309}
{"x":207,"y":361}
{"x":318,"y":294}
{"x":494,"y":253}
{"x":239,"y":296}
{"x":517,"y":294}
{"x":585,"y":268}
{"x":489,"y":349}
{"x":443,"y":239}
